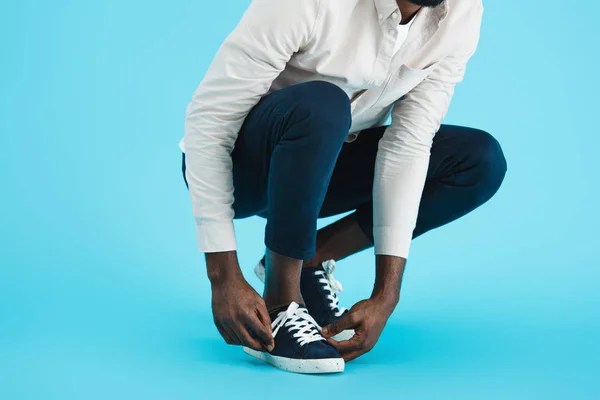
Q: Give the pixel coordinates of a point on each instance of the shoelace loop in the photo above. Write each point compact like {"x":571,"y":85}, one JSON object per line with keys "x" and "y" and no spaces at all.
{"x":297,"y":318}
{"x":332,"y":285}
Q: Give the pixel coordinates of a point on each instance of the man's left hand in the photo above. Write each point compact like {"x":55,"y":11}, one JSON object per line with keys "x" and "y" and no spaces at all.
{"x":367,"y":318}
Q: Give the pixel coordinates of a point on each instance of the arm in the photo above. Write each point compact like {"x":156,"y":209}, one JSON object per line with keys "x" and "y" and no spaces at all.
{"x":403,"y":159}
{"x":251,"y":57}
{"x":404,"y":150}
{"x":400,"y":172}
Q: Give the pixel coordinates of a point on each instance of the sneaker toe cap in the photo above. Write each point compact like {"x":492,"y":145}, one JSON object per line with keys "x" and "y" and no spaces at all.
{"x":319,"y":350}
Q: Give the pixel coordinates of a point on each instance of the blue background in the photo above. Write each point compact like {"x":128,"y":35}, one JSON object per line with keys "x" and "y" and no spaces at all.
{"x":103,"y":294}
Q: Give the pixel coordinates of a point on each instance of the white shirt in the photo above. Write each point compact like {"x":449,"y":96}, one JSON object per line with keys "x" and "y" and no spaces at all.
{"x":350,"y":43}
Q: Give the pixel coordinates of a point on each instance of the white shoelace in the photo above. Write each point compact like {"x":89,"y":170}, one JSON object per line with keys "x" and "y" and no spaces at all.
{"x":332,"y":285}
{"x":297,"y":319}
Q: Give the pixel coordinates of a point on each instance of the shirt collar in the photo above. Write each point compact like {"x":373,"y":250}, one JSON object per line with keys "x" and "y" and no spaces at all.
{"x":386,"y":7}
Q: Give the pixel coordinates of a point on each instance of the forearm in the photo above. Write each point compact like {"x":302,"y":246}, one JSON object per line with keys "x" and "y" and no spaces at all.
{"x":388,"y":279}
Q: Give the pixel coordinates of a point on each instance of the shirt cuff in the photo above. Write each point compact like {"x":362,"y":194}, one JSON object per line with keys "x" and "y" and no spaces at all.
{"x":392,"y":241}
{"x":216,"y":237}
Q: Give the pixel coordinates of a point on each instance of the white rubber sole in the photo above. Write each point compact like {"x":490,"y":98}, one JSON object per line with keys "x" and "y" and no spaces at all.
{"x":259,"y":270}
{"x":318,"y":366}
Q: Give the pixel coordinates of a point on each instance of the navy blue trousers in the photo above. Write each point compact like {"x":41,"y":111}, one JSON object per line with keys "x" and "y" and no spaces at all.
{"x":291,"y":165}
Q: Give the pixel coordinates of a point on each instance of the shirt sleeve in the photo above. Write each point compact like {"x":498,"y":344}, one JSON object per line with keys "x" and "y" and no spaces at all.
{"x":245,"y":66}
{"x":404,"y":150}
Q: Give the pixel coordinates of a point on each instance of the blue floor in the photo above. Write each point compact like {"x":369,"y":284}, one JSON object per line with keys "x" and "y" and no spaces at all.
{"x":102,"y":292}
{"x":138,"y":325}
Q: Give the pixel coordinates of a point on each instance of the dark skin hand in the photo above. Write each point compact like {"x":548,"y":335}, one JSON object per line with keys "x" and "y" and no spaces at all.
{"x":239,"y":312}
{"x":368,"y":317}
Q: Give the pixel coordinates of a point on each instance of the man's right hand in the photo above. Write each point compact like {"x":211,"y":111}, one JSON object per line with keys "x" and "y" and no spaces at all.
{"x":239,"y":312}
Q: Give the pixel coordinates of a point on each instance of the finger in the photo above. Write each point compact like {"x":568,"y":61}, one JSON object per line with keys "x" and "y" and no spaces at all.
{"x":247,"y":340}
{"x":259,"y":330}
{"x":339,"y":326}
{"x":353,"y":344}
{"x":225,"y":335}
{"x":352,"y":355}
{"x":230,"y":329}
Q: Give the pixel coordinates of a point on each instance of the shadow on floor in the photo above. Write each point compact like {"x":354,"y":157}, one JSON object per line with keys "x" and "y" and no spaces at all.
{"x":422,"y":343}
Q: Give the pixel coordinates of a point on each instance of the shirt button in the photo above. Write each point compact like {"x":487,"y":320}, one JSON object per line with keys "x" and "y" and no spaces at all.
{"x":380,"y":17}
{"x":393,"y":32}
{"x":395,"y":15}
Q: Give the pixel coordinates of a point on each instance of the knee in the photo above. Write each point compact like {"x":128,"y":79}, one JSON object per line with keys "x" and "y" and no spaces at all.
{"x":324,"y":106}
{"x":327,"y":98}
{"x":491,"y":160}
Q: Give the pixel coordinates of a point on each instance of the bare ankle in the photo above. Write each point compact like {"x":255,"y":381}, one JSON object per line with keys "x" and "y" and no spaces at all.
{"x":311,"y":264}
{"x":314,"y":262}
{"x":274,"y":305}
{"x":282,"y":280}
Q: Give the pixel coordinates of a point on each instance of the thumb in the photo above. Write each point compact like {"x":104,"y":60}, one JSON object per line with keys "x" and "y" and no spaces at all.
{"x":338,"y":326}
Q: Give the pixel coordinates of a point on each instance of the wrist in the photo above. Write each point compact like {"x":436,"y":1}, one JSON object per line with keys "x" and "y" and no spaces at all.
{"x":388,"y":280}
{"x":222,"y":267}
{"x":387,"y":300}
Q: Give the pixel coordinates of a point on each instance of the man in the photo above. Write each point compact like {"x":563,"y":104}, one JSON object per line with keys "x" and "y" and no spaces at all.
{"x":290,"y":123}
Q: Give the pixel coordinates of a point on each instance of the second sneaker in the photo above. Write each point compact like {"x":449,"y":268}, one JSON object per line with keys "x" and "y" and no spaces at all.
{"x":319,"y":289}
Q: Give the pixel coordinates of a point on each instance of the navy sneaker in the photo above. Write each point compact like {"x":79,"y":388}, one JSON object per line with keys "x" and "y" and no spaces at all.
{"x":319,"y":289}
{"x":299,"y":347}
